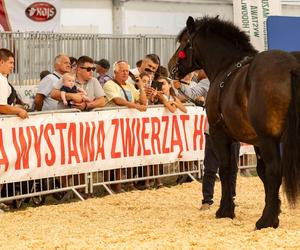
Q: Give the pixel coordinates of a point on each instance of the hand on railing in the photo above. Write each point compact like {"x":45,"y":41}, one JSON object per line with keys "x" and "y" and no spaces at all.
{"x":81,"y":105}
{"x":22,"y":113}
{"x":140,"y":107}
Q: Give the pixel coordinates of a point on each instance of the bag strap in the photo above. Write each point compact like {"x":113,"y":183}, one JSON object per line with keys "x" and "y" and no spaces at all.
{"x":124,"y":92}
{"x":13,"y":95}
{"x":56,"y":75}
{"x":132,"y":76}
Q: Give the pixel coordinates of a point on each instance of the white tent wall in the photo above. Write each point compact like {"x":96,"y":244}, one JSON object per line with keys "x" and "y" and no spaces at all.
{"x":165,"y":17}
{"x":168,"y":18}
{"x":291,"y":9}
{"x":90,"y":16}
{"x":138,"y":17}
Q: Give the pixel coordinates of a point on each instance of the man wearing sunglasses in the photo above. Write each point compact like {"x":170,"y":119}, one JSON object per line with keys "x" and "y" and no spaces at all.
{"x":86,"y":81}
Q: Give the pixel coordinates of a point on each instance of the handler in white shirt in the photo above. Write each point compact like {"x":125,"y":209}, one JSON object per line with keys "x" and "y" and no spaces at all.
{"x":6,"y":67}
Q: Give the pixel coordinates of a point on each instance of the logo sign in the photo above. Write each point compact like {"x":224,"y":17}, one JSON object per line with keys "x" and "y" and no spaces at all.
{"x":40,"y":11}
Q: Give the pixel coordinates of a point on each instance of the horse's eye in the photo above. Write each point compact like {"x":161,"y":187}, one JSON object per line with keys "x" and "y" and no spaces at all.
{"x":181,"y":54}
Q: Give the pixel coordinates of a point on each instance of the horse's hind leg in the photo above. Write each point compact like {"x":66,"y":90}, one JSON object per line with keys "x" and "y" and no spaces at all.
{"x":270,"y":173}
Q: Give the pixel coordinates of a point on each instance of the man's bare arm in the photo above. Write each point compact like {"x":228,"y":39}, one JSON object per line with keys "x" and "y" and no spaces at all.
{"x":39,"y":101}
{"x":97,"y":103}
{"x":10,"y":110}
{"x":122,"y":102}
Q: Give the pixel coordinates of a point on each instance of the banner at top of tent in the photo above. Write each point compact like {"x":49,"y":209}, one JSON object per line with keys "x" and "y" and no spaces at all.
{"x":29,"y":15}
{"x":251,"y":16}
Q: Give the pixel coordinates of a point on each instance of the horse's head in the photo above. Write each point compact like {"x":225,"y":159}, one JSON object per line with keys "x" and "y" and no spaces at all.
{"x":184,"y":60}
{"x":209,"y":43}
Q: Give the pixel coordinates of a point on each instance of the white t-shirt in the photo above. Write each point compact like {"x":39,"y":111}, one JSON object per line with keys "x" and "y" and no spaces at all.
{"x":135,"y":71}
{"x":5,"y":90}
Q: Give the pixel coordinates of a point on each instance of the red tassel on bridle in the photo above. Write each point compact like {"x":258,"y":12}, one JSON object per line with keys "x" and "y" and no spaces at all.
{"x":181,"y":54}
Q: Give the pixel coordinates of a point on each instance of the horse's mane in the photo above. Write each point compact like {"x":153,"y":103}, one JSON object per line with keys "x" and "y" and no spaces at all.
{"x":213,"y":26}
{"x":181,"y":35}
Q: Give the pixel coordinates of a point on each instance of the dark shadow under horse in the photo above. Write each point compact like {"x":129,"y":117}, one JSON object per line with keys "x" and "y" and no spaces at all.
{"x":253,"y":98}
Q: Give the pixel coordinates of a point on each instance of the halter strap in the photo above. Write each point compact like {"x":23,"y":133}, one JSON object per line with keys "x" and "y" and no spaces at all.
{"x":246,"y":60}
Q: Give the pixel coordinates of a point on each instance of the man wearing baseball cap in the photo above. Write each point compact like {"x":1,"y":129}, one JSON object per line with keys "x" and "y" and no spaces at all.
{"x":102,"y":67}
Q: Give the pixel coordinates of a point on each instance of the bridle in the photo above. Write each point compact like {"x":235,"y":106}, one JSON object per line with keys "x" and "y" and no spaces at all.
{"x":182,"y":55}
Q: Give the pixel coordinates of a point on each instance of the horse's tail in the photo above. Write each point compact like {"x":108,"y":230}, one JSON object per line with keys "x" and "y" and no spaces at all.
{"x":291,"y":143}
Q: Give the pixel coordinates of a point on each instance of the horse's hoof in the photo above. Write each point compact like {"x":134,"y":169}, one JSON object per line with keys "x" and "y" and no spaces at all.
{"x":225,"y":214}
{"x":260,"y":224}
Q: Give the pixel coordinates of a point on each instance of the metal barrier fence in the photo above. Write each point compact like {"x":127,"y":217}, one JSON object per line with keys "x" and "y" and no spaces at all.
{"x":194,"y":169}
{"x":39,"y":188}
{"x":35,"y":51}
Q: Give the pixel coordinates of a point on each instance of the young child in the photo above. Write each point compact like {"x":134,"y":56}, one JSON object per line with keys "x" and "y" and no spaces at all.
{"x":167,"y":96}
{"x":146,"y":78}
{"x":68,"y":80}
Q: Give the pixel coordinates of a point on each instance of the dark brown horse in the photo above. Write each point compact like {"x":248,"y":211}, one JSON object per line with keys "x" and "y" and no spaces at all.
{"x":253,"y":98}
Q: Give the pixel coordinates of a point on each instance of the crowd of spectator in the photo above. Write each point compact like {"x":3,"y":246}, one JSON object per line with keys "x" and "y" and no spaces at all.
{"x":147,"y":83}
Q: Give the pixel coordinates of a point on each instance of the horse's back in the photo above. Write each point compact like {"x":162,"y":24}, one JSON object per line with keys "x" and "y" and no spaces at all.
{"x":270,"y":91}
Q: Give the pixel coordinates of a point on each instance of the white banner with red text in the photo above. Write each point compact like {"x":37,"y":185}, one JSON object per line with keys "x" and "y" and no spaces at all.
{"x":59,"y":144}
{"x":251,"y":16}
{"x":30,"y":15}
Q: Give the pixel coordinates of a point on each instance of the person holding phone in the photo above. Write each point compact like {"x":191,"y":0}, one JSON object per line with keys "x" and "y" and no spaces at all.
{"x":149,"y":64}
{"x":146,"y":78}
{"x":167,"y":95}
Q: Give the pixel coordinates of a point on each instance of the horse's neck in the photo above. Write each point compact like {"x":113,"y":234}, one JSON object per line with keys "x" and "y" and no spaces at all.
{"x":217,"y":58}
{"x":218,"y":68}
{"x":214,"y":72}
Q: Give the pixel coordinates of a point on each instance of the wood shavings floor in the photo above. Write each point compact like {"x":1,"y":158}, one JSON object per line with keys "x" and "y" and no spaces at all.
{"x":168,"y":218}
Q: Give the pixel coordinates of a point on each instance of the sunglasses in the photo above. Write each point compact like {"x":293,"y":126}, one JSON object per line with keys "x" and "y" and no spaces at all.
{"x":88,"y":69}
{"x":149,"y":70}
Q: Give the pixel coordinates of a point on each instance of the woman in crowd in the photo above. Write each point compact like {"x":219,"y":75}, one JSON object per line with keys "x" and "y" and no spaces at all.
{"x":167,"y":96}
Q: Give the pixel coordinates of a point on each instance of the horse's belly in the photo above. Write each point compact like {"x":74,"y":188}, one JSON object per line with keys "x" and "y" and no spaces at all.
{"x":241,"y":131}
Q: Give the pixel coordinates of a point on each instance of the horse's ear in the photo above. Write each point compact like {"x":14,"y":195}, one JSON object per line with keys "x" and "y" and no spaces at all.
{"x":217,"y":17}
{"x":190,"y":24}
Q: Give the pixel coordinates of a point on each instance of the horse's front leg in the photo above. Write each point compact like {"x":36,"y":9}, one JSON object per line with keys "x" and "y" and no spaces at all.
{"x":226,"y":172}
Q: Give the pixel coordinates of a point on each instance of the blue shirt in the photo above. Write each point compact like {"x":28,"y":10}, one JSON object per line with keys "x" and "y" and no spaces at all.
{"x":103,"y":79}
{"x":199,"y":89}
